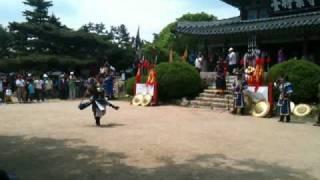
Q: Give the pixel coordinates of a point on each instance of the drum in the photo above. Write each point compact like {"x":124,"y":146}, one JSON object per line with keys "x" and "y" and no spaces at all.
{"x":261,"y":109}
{"x":302,"y":110}
{"x":137,"y":100}
{"x":146,"y":100}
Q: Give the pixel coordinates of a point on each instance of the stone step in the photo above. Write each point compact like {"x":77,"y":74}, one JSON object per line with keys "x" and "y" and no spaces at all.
{"x":214,"y":106}
{"x":210,"y":104}
{"x":213,"y":99}
{"x":211,"y":95}
{"x":214,"y":87}
{"x":214,"y":91}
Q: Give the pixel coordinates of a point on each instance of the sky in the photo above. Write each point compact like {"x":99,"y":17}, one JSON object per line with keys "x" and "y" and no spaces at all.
{"x":150,"y":15}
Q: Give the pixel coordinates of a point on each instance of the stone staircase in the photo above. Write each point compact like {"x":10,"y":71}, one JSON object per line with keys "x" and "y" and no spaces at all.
{"x":210,"y":99}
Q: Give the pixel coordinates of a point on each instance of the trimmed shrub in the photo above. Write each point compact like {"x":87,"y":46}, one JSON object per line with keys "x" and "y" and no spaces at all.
{"x":177,"y":80}
{"x":304,"y":76}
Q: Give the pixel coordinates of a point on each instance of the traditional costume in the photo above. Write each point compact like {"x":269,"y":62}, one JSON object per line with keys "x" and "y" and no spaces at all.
{"x":97,"y":100}
{"x":152,"y":81}
{"x":238,"y":88}
{"x":221,"y":77}
{"x":286,"y":90}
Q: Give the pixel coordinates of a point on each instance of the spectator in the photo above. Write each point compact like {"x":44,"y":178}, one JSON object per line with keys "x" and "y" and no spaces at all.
{"x":39,"y":87}
{"x":198,"y":62}
{"x":48,"y":86}
{"x":232,"y":60}
{"x":28,"y":81}
{"x":20,"y":84}
{"x":31,"y":90}
{"x":63,"y":87}
{"x":72,"y":86}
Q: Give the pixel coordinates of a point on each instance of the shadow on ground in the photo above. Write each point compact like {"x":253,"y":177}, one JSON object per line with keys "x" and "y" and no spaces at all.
{"x":49,"y":159}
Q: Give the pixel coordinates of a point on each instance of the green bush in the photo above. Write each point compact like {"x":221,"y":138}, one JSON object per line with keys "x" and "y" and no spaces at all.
{"x":304,"y":76}
{"x":177,"y":80}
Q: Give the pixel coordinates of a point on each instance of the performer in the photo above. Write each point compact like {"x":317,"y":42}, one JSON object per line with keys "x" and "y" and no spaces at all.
{"x":97,"y":100}
{"x":238,"y":88}
{"x":152,"y":81}
{"x":285,"y":88}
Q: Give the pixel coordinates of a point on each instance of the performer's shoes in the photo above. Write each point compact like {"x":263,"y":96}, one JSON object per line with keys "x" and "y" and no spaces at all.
{"x":317,"y":124}
{"x":281,"y":121}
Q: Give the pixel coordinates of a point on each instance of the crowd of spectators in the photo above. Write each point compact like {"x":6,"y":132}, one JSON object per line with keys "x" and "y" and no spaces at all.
{"x":28,"y":87}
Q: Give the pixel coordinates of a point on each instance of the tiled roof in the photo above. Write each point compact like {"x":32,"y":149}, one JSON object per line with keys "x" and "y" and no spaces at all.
{"x":236,"y":25}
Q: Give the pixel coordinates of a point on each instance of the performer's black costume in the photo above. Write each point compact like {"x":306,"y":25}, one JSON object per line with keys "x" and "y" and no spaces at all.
{"x":97,"y":100}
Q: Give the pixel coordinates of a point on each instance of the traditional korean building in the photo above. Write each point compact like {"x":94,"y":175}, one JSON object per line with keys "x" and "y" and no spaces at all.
{"x":269,"y":25}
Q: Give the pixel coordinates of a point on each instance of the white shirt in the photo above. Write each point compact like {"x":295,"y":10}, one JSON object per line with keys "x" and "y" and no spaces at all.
{"x":38,"y":84}
{"x":48,"y":84}
{"x":232,"y":58}
{"x":20,"y":83}
{"x":198,"y":62}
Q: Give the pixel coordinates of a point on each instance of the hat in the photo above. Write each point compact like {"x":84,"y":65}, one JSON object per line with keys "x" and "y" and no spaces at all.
{"x":231,"y":49}
{"x":302,"y":110}
{"x":71,"y":73}
{"x":146,"y":100}
{"x":261,"y":109}
{"x":137,"y":100}
{"x":45,"y":75}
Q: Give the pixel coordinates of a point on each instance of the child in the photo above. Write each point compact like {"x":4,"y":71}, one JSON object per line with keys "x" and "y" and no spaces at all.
{"x":8,"y":96}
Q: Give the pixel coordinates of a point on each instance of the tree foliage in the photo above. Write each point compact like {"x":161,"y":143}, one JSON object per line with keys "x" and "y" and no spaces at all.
{"x":5,"y":40}
{"x":168,"y":39}
{"x":44,"y":37}
{"x":39,"y":12}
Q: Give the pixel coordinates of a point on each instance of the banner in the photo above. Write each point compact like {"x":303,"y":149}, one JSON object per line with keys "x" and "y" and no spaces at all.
{"x":261,"y":95}
{"x":144,"y":89}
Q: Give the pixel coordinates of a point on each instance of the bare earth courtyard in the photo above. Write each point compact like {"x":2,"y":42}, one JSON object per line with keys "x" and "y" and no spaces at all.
{"x":55,"y":140}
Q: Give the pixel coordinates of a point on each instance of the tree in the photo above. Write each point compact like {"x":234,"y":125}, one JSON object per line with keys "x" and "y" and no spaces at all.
{"x":167,"y":39}
{"x":39,"y":13}
{"x":53,"y":20}
{"x":197,"y":17}
{"x":5,"y":39}
{"x":45,"y":40}
{"x":121,"y":36}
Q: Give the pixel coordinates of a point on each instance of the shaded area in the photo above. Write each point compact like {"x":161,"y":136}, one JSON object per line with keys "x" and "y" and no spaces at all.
{"x":38,"y":159}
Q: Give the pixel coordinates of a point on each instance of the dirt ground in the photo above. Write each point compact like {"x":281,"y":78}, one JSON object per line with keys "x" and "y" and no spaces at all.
{"x":55,"y":140}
